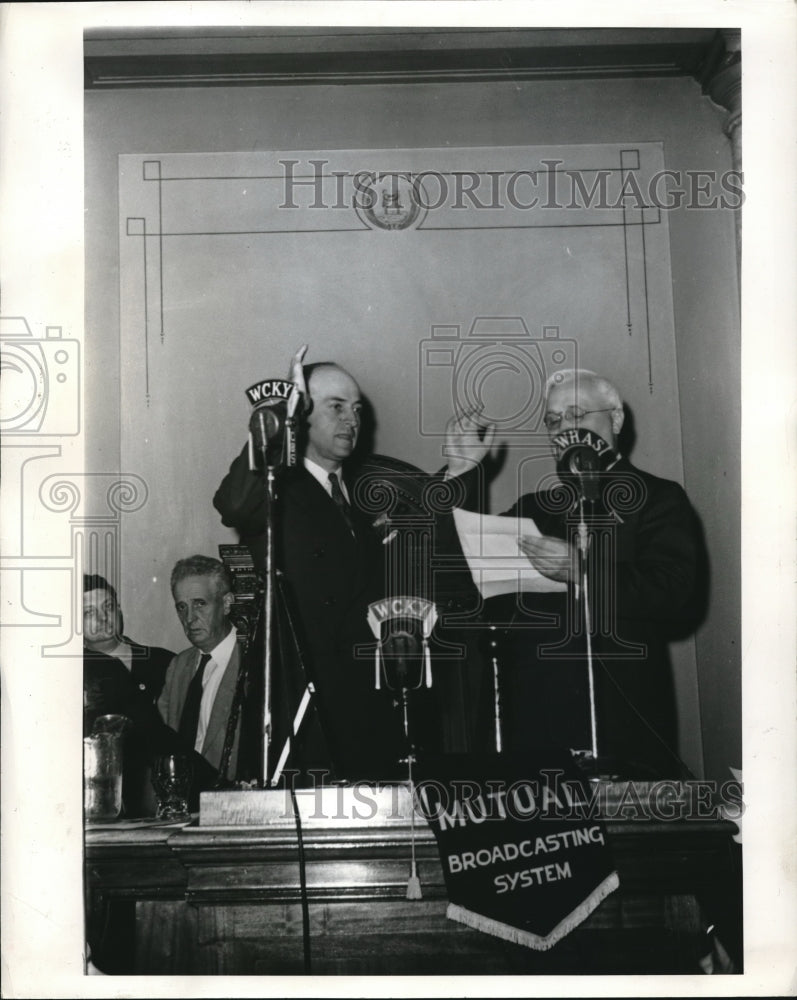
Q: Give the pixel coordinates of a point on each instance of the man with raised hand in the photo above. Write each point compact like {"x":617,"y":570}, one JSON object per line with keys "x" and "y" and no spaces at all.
{"x":331,"y":561}
{"x":644,"y":558}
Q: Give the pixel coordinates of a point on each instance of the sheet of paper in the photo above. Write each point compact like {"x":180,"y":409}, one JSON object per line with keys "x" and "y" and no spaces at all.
{"x":497,"y":564}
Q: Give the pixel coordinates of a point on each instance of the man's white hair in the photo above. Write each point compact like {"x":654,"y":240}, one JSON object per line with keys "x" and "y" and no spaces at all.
{"x":581,"y":376}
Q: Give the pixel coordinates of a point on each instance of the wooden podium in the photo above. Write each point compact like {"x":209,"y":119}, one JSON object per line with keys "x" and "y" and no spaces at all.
{"x":213,"y":900}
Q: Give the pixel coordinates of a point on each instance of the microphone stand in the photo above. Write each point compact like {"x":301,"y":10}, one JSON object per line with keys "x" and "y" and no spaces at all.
{"x":405,"y":707}
{"x":268,"y":622}
{"x":274,"y":601}
{"x":583,"y":550}
{"x":496,"y":690}
{"x":268,"y":453}
{"x":269,"y":597}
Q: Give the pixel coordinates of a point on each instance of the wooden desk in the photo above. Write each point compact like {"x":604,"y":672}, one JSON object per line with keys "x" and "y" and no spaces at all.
{"x":227,"y":901}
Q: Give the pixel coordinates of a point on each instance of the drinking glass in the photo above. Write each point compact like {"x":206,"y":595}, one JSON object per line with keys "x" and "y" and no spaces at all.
{"x":171,"y":779}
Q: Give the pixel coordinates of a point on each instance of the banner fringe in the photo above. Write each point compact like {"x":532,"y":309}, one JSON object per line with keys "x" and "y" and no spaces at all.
{"x":414,"y":888}
{"x":518,"y":936}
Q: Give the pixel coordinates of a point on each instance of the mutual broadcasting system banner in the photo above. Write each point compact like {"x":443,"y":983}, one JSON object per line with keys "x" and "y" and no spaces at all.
{"x":523,"y":859}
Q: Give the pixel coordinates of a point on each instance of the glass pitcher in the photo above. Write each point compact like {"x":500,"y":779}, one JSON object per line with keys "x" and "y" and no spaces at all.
{"x":102,"y":769}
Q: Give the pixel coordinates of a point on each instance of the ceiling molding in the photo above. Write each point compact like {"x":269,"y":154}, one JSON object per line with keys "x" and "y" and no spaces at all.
{"x":256,"y":57}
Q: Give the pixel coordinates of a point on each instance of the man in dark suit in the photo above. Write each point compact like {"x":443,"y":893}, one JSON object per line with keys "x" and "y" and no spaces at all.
{"x":644,"y":556}
{"x":111,"y":688}
{"x":331,"y":559}
{"x":121,"y":677}
{"x":103,"y":634}
{"x":198,"y":691}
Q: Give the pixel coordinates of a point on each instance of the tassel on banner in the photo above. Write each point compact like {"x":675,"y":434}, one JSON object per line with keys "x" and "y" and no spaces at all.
{"x":414,"y":884}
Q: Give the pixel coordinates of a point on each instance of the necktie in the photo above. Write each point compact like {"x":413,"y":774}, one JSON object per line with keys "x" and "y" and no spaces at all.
{"x":340,"y":501}
{"x":189,"y":720}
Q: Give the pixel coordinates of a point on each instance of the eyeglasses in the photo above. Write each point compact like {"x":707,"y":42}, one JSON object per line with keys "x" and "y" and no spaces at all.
{"x":573,"y":414}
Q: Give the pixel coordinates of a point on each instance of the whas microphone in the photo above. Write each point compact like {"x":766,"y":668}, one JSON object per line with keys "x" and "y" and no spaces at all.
{"x":581,"y":456}
{"x":272,"y":425}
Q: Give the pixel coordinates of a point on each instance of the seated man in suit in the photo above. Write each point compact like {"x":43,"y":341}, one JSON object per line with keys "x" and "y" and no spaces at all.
{"x":111,"y":688}
{"x":103,"y":628}
{"x":200,"y":683}
{"x":332,"y":564}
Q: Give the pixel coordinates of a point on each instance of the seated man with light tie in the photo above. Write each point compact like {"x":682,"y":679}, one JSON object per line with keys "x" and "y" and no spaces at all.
{"x":200,"y":683}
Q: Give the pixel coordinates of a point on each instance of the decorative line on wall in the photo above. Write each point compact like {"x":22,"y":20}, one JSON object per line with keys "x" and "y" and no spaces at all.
{"x":209,"y":205}
{"x":629,"y":162}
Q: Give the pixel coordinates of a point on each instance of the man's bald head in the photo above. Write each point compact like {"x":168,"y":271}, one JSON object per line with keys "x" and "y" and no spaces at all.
{"x":333,"y":424}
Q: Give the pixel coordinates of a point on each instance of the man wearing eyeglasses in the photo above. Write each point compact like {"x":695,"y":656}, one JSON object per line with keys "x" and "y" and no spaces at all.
{"x":642,"y":559}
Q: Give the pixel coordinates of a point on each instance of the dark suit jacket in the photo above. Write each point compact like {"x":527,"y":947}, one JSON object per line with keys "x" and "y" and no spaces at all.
{"x":644,"y":555}
{"x":149,"y":667}
{"x":172,"y":700}
{"x":108,"y":689}
{"x":329,"y":577}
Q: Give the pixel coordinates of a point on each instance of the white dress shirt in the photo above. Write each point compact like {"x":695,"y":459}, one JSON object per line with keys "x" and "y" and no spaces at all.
{"x":321,"y":475}
{"x":214,"y":671}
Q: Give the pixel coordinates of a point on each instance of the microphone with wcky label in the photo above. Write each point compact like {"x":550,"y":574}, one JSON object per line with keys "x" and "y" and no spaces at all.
{"x":272,"y":425}
{"x":402,"y":626}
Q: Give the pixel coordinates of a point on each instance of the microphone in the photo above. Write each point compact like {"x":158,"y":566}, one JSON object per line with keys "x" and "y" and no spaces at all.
{"x":402,"y":654}
{"x":581,"y":456}
{"x":583,"y":463}
{"x":272,"y":425}
{"x":402,"y":626}
{"x":265,"y":425}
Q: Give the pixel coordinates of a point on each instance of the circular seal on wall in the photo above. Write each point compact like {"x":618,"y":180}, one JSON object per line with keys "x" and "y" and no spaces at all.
{"x":389,"y":201}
